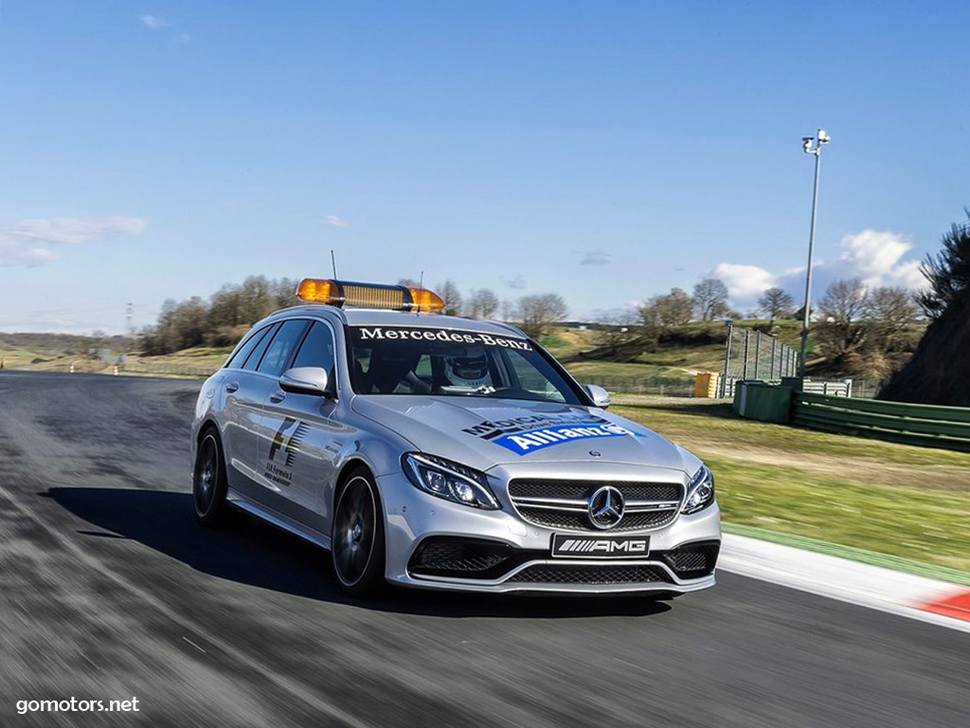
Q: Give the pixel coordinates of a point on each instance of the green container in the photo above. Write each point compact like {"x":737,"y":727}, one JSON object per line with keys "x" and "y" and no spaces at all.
{"x":763,"y":402}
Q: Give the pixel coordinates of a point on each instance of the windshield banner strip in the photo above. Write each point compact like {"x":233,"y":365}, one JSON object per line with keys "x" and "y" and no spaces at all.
{"x":363,"y":334}
{"x":523,"y":443}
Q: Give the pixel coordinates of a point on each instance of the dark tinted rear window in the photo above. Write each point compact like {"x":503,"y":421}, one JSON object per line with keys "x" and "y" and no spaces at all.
{"x":244,"y":351}
{"x":256,"y":354}
{"x":281,"y":347}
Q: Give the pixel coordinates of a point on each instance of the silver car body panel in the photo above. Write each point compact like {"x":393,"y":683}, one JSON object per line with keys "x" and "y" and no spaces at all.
{"x":286,"y":452}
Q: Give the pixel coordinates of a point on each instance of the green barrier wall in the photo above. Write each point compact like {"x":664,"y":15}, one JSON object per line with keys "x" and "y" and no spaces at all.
{"x":910,"y":424}
{"x":764,"y":402}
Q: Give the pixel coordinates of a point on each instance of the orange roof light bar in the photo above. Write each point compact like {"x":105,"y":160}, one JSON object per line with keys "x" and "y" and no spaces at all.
{"x":368,"y":295}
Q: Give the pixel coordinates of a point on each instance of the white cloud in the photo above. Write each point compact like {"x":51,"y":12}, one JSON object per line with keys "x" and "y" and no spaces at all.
{"x":154,"y":22}
{"x":336,"y":221}
{"x":878,"y":258}
{"x":744,"y":281}
{"x":25,"y":242}
{"x":595,"y":257}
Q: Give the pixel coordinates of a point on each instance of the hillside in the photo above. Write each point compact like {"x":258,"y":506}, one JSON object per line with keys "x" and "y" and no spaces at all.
{"x":589,"y":354}
{"x":937,"y":373}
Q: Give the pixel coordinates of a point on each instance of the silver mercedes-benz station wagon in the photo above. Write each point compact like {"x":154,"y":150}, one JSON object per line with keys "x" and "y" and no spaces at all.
{"x":442,"y":452}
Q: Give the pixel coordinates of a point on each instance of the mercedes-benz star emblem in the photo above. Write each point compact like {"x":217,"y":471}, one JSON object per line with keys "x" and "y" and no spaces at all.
{"x":606,"y":507}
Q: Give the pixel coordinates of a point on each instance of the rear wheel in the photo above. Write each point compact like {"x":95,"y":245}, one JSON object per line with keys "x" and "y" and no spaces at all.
{"x":209,"y":483}
{"x":357,"y":537}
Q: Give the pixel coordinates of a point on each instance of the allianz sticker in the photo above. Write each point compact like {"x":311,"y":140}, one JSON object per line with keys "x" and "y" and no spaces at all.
{"x":283,"y":451}
{"x":530,"y":433}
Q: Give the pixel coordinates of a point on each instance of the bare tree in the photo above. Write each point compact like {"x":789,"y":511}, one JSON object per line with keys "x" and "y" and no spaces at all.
{"x":482,"y":304}
{"x":671,"y":309}
{"x":452,"y":297}
{"x":257,"y":299}
{"x":283,"y":292}
{"x":776,"y":304}
{"x":843,"y":305}
{"x":710,"y":299}
{"x":540,"y":312}
{"x":890,"y":311}
{"x":508,"y":310}
{"x":844,"y":301}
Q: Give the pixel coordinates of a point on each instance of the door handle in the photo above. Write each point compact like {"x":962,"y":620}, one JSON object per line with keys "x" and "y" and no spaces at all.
{"x":277,"y":397}
{"x":232,"y":387}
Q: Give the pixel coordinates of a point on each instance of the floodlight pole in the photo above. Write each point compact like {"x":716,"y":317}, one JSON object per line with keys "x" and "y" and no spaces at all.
{"x":820,"y":139}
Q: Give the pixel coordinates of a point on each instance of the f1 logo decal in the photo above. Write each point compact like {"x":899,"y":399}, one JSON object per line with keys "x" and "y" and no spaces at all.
{"x":292,"y":446}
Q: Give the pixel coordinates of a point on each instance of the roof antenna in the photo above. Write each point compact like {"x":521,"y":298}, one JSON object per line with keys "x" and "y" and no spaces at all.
{"x":333,"y":262}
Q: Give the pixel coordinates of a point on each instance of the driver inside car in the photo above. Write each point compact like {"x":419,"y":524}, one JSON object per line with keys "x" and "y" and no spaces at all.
{"x":467,"y":373}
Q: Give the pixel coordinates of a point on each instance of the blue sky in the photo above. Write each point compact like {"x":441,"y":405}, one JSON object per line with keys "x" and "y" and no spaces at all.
{"x":605,"y":151}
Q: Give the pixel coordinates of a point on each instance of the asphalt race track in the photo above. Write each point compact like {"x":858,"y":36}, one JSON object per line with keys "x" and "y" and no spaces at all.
{"x":109,"y":589}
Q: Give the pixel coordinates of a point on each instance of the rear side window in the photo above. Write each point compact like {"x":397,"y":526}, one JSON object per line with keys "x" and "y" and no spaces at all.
{"x":279,"y":351}
{"x":246,"y":349}
{"x":257,"y":353}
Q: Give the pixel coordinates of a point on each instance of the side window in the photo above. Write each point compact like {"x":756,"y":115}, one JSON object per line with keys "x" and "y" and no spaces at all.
{"x":317,"y":349}
{"x":240,"y":358}
{"x":280,"y":348}
{"x":256,"y":354}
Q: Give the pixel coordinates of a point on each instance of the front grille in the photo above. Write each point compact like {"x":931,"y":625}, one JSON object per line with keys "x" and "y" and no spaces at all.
{"x":579,"y":520}
{"x":564,"y":503}
{"x":590,"y":574}
{"x":586,"y":488}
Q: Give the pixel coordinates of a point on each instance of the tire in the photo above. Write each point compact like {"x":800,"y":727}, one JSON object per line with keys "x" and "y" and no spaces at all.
{"x":357,"y":536}
{"x":209,"y":482}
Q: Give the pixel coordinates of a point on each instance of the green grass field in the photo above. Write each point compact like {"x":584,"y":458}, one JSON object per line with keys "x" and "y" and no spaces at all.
{"x":907,"y":502}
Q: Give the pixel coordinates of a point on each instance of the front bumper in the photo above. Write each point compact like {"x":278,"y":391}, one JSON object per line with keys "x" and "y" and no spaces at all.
{"x":416,"y":519}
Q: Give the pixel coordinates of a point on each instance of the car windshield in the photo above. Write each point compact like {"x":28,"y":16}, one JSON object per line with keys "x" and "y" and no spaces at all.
{"x":448,"y":362}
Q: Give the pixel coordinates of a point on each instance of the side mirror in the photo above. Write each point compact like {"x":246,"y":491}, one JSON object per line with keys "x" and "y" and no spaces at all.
{"x":600,"y":397}
{"x":306,"y":380}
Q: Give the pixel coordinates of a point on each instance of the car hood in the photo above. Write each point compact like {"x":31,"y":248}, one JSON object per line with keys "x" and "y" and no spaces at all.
{"x":482,"y":433}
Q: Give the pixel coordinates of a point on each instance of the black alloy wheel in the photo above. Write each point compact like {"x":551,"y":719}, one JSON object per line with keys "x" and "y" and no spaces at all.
{"x":357,"y":538}
{"x":209,"y":481}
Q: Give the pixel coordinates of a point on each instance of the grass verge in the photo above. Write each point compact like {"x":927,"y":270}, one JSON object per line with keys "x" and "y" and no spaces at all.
{"x":911,"y":504}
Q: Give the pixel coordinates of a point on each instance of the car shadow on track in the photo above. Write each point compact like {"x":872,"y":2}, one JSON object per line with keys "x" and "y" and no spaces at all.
{"x":254,"y":553}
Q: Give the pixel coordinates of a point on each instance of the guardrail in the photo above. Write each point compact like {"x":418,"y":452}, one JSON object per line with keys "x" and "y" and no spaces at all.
{"x":834,"y":387}
{"x":910,"y":424}
{"x":176,"y":369}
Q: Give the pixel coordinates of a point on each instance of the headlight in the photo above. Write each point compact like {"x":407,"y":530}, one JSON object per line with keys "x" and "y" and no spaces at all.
{"x":449,"y":480}
{"x":700,"y":492}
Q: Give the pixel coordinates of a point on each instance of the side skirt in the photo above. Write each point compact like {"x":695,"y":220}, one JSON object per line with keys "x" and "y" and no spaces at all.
{"x":277,"y":519}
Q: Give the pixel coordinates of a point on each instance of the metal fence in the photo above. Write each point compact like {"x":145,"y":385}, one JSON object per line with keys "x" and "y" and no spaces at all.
{"x":753,"y":355}
{"x":664,"y":386}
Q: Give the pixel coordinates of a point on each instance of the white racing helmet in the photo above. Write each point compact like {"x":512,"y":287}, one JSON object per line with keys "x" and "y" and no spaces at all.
{"x":469,"y":371}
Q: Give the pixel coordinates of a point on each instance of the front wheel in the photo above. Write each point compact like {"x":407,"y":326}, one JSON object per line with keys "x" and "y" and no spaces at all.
{"x":357,"y":537}
{"x":209,"y":483}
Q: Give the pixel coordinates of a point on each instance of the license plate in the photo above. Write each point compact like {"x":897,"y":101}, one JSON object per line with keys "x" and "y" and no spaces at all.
{"x":600,"y":547}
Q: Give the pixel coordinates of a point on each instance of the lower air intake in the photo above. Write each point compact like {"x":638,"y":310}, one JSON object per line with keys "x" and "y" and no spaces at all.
{"x":592,"y":574}
{"x":691,"y":561}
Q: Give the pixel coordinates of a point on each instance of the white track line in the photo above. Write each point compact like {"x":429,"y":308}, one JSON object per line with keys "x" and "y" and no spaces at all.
{"x":837,"y":578}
